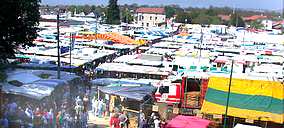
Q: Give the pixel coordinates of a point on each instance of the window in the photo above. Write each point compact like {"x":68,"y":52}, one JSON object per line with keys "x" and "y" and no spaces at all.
{"x":156,"y":18}
{"x":142,"y":24}
{"x":147,"y":24}
{"x":142,"y":17}
{"x":150,"y":17}
{"x":164,"y":89}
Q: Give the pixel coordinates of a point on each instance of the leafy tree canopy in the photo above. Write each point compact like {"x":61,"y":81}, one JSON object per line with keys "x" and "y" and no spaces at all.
{"x":127,"y":16}
{"x":18,"y":25}
{"x":113,"y":13}
{"x":237,"y":20}
{"x":170,"y":11}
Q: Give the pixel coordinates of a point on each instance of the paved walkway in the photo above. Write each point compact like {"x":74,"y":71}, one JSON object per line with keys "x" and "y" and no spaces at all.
{"x":96,"y":122}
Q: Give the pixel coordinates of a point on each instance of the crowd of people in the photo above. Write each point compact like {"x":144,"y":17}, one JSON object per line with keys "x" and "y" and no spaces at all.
{"x":69,"y":112}
{"x":38,"y":116}
{"x":154,"y":121}
{"x":58,"y":111}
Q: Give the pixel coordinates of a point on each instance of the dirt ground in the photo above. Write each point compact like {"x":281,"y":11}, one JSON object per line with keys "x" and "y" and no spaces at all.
{"x":96,"y":122}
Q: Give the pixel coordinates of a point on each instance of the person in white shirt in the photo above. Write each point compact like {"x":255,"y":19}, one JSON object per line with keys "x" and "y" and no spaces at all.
{"x":94,"y":105}
{"x":157,"y":122}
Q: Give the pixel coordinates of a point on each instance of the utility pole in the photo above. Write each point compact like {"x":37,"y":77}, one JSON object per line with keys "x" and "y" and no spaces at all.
{"x":58,"y":47}
{"x":200,"y":45}
{"x":228,"y":96}
{"x":70,"y":49}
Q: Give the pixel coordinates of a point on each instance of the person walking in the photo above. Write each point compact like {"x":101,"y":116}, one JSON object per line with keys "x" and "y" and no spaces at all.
{"x":142,"y":120}
{"x":156,"y":122}
{"x":37,"y":118}
{"x":85,"y":103}
{"x":78,"y":111}
{"x":51,"y":119}
{"x":94,"y":105}
{"x":59,"y":119}
{"x":29,"y":115}
{"x":123,"y":119}
{"x":100,"y":108}
{"x":45,"y":118}
{"x":4,"y":123}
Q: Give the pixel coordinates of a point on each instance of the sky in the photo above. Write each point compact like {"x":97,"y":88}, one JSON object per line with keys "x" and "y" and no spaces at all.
{"x":245,"y":4}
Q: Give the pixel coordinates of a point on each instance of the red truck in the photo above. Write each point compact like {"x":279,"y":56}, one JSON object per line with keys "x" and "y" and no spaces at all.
{"x":187,"y":93}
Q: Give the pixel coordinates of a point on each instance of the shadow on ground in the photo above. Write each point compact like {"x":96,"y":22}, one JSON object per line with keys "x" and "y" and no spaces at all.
{"x":92,"y":125}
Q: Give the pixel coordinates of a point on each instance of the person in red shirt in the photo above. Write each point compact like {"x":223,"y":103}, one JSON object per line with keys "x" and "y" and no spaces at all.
{"x":114,"y":121}
{"x":37,"y":117}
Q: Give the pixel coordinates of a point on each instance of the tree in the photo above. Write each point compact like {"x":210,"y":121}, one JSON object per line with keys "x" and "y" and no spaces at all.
{"x":170,"y":11}
{"x":236,"y":20}
{"x":72,"y":9}
{"x":127,"y":17}
{"x":211,"y":11}
{"x":87,"y":9}
{"x":19,"y":20}
{"x":113,"y":14}
{"x":183,"y":18}
{"x":201,"y":19}
{"x":256,"y":25}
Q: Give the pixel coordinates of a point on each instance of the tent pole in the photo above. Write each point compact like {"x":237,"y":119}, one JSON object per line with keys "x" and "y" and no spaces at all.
{"x":228,"y":96}
{"x":265,"y":124}
{"x":234,"y":121}
{"x":70,"y":52}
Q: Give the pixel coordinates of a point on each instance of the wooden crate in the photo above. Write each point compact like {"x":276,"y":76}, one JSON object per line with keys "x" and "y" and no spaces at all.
{"x":133,"y":122}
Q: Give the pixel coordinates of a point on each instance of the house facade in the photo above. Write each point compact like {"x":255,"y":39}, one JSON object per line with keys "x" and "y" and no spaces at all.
{"x":150,"y":17}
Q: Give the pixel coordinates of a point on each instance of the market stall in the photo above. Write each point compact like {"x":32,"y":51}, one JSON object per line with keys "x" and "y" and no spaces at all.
{"x":261,"y":100}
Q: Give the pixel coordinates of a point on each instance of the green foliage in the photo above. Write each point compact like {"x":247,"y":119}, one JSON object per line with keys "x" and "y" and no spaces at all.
{"x":170,"y":11}
{"x":87,"y":9}
{"x":72,"y":9}
{"x":237,"y":21}
{"x":211,"y":11}
{"x":199,"y":17}
{"x":183,"y":17}
{"x":127,"y":16}
{"x":256,"y":25}
{"x":18,"y":25}
{"x":113,"y":14}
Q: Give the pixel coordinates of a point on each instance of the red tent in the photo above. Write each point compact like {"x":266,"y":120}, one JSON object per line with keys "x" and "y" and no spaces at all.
{"x":187,"y":122}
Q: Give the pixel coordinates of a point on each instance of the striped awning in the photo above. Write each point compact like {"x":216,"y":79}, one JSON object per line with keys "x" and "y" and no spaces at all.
{"x":251,"y":99}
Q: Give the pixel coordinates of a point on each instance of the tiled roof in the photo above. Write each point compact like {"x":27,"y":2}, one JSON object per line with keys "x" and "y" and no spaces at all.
{"x":224,"y":17}
{"x":254,"y":17}
{"x":151,"y":10}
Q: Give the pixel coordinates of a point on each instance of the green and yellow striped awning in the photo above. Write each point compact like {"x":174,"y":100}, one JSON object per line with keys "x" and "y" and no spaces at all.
{"x":252,"y":99}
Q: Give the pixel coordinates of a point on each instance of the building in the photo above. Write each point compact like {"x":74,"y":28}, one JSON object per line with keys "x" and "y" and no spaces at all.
{"x":150,"y":17}
{"x":267,"y":24}
{"x":254,"y":18}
